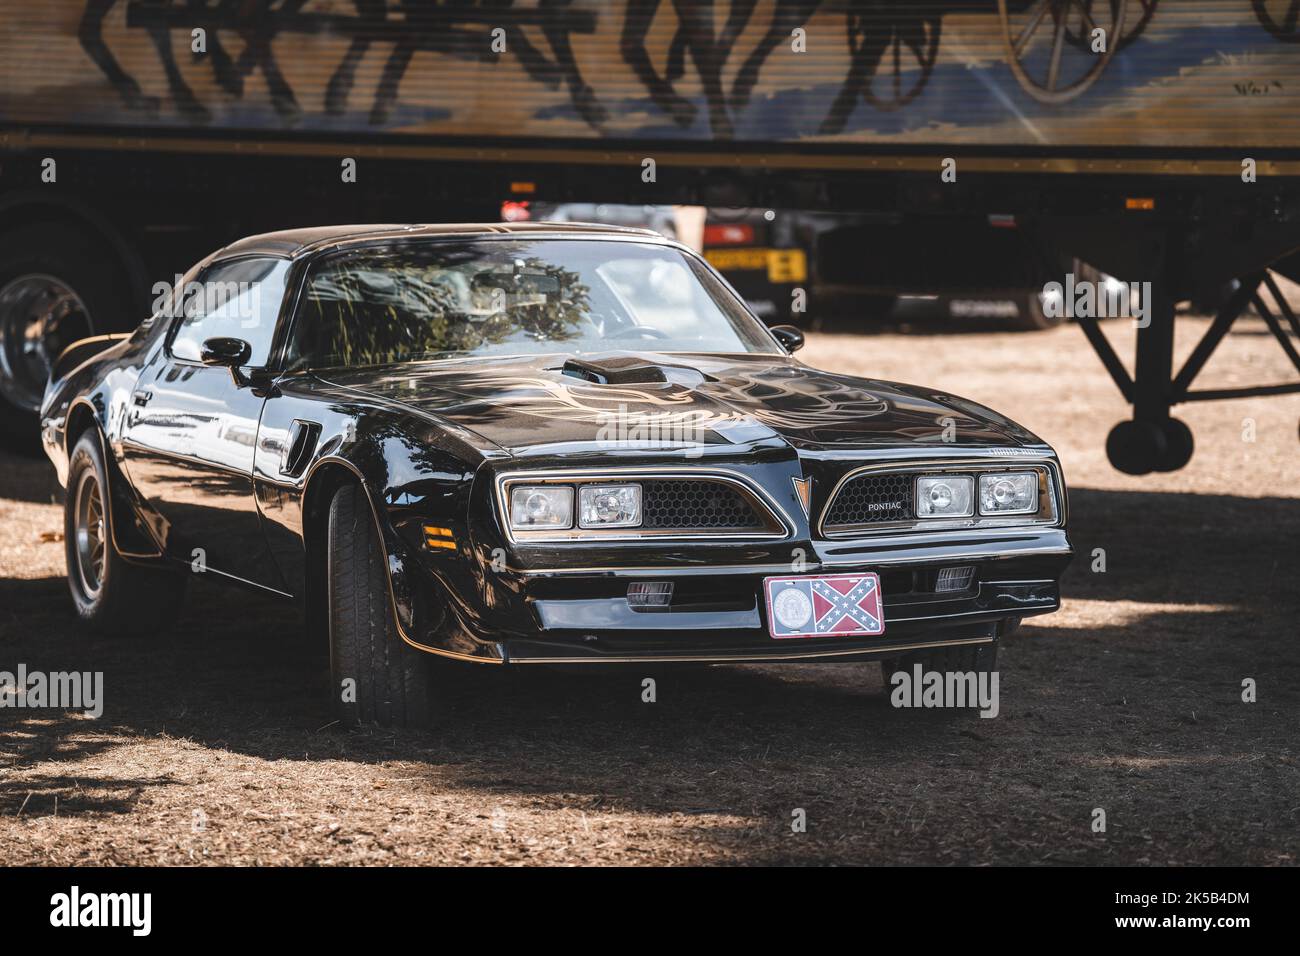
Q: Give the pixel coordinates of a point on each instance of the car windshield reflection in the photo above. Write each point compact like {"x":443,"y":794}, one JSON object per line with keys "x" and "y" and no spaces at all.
{"x":416,"y":302}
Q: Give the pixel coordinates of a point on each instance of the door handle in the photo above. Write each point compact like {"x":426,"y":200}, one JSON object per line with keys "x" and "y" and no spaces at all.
{"x":141,"y":396}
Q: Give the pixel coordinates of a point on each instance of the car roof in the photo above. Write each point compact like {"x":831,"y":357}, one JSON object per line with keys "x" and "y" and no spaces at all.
{"x":291,"y":243}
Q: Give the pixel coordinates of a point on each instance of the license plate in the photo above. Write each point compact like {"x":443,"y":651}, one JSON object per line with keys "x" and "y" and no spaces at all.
{"x":782,"y":265}
{"x":738,"y":259}
{"x":786,"y":265}
{"x":838,"y":605}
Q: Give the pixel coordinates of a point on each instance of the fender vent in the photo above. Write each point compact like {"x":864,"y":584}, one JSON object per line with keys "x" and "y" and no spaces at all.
{"x":299,"y":447}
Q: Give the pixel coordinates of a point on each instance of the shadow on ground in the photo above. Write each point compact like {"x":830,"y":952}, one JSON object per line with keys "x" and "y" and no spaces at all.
{"x":1128,"y":700}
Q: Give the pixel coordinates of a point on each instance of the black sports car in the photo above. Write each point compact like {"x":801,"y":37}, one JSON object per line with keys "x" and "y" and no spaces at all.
{"x":532,"y":444}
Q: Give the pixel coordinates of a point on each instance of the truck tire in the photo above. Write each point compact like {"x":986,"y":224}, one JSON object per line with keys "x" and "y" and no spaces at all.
{"x":57,"y":285}
{"x":1031,"y":316}
{"x":375,"y":676}
{"x":110,"y":595}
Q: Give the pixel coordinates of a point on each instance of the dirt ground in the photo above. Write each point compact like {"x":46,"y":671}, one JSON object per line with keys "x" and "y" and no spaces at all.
{"x":214,"y":746}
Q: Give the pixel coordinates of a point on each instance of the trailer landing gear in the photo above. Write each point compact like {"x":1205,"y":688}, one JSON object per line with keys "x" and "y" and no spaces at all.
{"x":1152,"y":440}
{"x":1138,"y":448}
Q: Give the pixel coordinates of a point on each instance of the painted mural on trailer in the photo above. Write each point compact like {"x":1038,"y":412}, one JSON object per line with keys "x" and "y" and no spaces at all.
{"x":1031,"y":72}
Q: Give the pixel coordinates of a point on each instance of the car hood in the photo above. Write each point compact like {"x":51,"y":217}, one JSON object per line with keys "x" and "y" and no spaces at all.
{"x":549,"y":403}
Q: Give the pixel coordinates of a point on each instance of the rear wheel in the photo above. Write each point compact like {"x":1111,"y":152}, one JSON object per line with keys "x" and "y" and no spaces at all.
{"x":109,"y":594}
{"x":375,"y":676}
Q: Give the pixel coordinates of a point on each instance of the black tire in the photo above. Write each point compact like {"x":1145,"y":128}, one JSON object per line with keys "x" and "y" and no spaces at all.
{"x":389,"y":679}
{"x":111,"y":596}
{"x":963,"y":658}
{"x":90,"y":271}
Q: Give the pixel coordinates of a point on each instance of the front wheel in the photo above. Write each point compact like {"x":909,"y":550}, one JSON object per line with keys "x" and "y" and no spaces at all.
{"x":109,"y":594}
{"x":375,"y":676}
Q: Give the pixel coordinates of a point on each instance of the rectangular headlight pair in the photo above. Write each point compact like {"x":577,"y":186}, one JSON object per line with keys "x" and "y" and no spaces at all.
{"x":953,"y":496}
{"x":550,"y":507}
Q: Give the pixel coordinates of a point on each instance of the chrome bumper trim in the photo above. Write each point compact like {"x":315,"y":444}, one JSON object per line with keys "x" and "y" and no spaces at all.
{"x":746,"y":658}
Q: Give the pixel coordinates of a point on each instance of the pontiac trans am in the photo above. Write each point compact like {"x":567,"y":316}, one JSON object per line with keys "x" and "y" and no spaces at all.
{"x":534,"y":444}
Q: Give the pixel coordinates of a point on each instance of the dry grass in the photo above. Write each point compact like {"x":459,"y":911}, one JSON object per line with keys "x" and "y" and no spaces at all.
{"x":214,"y":747}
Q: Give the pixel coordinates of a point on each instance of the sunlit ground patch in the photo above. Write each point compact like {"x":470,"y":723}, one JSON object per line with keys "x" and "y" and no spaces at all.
{"x":1081,"y":614}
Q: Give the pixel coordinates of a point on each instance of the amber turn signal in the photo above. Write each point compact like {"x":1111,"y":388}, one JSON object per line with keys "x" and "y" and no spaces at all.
{"x":435,"y":537}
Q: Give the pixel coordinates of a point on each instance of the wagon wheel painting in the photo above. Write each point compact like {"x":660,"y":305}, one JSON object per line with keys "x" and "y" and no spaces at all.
{"x":1050,"y":69}
{"x":1136,"y":19}
{"x":891,"y":58}
{"x":1280,"y":18}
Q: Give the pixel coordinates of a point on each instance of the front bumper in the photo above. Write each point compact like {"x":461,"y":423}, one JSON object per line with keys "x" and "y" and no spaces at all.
{"x":568,"y":614}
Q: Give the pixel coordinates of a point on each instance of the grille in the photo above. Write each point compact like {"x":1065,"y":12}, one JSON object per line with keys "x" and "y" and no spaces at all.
{"x":871,"y":499}
{"x":692,"y":505}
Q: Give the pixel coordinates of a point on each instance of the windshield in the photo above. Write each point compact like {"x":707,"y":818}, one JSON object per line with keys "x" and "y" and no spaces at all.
{"x":433,"y":300}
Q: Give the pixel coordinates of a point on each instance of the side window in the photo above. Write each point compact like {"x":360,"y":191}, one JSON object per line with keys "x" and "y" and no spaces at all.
{"x":162,"y":306}
{"x":239,"y":299}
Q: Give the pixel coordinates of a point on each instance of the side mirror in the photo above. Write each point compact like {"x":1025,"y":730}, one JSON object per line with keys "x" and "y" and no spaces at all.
{"x":790,"y":337}
{"x":227,"y":353}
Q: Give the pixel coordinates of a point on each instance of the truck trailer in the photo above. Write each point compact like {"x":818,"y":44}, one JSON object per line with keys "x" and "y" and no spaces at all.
{"x":975,"y":143}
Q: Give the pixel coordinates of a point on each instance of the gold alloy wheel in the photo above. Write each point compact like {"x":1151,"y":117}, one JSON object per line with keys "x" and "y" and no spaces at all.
{"x":90,"y":529}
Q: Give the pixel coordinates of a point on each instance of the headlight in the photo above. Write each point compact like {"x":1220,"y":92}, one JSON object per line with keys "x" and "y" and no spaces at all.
{"x":949,"y":496}
{"x":609,"y":506}
{"x":541,"y":506}
{"x":1013,"y":494}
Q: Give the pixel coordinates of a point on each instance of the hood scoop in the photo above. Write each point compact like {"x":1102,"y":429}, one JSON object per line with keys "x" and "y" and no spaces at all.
{"x":630,"y":370}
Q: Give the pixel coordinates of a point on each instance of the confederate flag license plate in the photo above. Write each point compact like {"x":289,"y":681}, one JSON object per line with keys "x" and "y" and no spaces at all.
{"x":841,"y":605}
